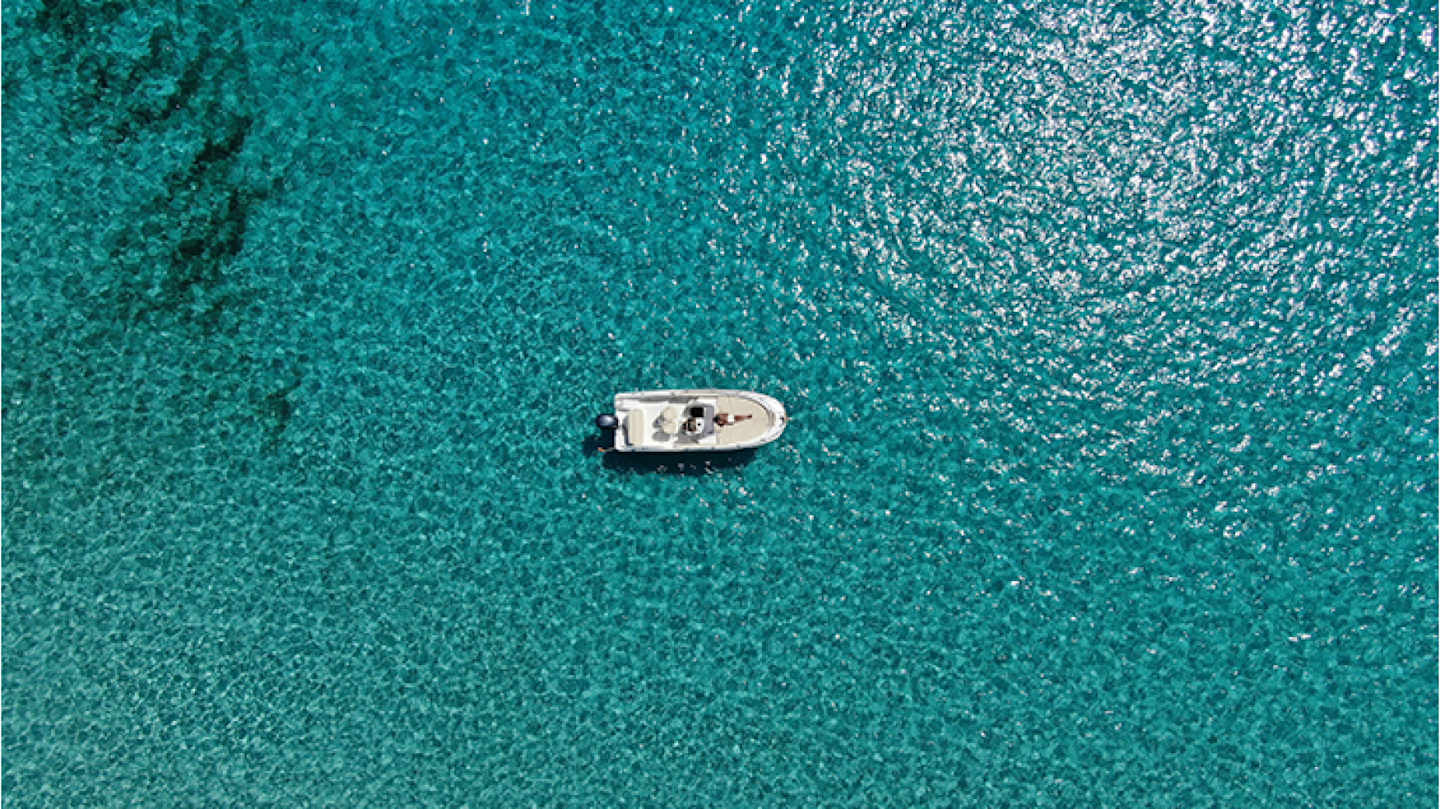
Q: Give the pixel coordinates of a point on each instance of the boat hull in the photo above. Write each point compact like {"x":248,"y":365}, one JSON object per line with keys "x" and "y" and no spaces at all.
{"x":696,"y":420}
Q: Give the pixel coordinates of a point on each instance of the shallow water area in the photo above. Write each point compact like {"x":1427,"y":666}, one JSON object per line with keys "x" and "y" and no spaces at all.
{"x":1109,"y":337}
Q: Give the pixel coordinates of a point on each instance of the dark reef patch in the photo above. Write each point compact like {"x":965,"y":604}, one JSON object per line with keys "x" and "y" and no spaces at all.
{"x":188,"y":86}
{"x":274,"y":411}
{"x":161,"y":95}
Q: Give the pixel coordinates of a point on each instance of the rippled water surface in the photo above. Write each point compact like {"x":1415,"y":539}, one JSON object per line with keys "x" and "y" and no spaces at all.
{"x":1109,"y":334}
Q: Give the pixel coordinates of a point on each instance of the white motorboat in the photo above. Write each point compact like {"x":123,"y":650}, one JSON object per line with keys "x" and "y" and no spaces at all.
{"x":696,"y":420}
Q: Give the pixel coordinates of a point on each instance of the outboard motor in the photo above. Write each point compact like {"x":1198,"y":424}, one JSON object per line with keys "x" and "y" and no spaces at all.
{"x":607,"y":421}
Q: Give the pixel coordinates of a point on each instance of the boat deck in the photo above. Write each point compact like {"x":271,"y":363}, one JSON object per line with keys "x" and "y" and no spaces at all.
{"x":747,"y":430}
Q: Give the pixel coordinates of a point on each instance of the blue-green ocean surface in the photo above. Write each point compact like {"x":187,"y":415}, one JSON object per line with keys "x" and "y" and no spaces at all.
{"x":1109,"y":332}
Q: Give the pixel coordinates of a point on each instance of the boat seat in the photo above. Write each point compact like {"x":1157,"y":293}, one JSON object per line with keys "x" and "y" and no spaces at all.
{"x":635,"y":427}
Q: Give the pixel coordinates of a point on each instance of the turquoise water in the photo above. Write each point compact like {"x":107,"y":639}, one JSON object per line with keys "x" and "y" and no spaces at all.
{"x":1109,"y":334}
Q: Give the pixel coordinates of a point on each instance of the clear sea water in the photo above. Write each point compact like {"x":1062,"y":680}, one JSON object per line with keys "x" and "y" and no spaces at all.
{"x":1109,"y":332}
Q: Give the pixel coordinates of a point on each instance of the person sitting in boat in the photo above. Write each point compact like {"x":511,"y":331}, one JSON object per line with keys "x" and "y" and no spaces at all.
{"x":725,"y":419}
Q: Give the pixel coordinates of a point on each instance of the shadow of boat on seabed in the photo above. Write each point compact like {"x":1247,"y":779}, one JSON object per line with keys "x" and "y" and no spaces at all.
{"x":671,"y":463}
